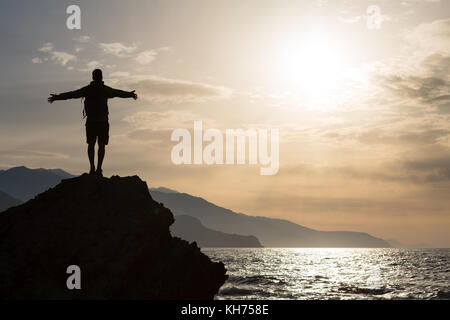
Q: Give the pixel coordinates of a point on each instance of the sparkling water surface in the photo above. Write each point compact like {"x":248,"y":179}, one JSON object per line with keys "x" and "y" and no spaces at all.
{"x":299,"y":273}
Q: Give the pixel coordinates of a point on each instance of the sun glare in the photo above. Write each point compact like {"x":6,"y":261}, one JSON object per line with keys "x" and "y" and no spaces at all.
{"x":312,"y":68}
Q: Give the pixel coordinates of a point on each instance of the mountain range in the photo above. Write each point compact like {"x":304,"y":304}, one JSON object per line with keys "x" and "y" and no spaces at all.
{"x":270,"y":232}
{"x":6,"y":201}
{"x":197,"y":219}
{"x":192,"y":229}
{"x":24,"y":184}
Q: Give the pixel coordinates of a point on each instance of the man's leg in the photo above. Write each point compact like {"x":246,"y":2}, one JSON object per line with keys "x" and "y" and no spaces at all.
{"x":103,"y":139}
{"x":101,"y":155}
{"x":91,"y":155}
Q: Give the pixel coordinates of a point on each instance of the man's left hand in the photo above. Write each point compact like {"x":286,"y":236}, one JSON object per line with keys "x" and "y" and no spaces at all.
{"x":51,"y":98}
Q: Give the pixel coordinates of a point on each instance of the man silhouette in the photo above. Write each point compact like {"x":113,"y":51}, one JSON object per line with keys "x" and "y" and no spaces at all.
{"x":96,"y":96}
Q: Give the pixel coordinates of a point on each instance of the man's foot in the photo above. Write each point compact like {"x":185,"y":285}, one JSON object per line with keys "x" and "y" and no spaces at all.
{"x":99,"y":172}
{"x":92,"y":171}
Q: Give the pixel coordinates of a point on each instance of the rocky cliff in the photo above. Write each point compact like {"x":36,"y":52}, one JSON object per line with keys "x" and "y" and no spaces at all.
{"x":117,"y":235}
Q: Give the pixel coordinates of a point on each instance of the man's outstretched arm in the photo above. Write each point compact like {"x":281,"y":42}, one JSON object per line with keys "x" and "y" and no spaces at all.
{"x":80,"y":93}
{"x":116,"y":93}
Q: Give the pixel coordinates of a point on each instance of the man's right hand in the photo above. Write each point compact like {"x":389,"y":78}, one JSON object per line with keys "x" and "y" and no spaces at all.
{"x":51,"y":98}
{"x":134,"y":95}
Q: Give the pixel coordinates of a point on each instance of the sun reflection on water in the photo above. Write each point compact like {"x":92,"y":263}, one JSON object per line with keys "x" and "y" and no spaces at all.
{"x":334,"y":273}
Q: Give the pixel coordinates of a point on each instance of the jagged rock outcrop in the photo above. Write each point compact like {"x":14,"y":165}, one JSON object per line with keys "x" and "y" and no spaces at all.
{"x":114,"y":231}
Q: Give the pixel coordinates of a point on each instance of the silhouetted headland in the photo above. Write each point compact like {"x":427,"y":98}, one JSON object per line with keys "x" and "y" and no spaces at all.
{"x":192,"y":229}
{"x":114,"y":231}
{"x":270,"y":232}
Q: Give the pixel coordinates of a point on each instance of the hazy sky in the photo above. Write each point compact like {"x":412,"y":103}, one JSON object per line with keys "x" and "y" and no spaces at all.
{"x":363,"y":113}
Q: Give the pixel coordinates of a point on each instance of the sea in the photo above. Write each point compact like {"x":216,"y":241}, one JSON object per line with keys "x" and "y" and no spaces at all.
{"x":333,"y":274}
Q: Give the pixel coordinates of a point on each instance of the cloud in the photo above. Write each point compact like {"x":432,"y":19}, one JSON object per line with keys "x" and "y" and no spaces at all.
{"x":160,"y":138}
{"x":37,"y":60}
{"x":145,"y":57}
{"x":59,"y":57}
{"x":47,"y":47}
{"x":434,"y":168}
{"x":411,"y":1}
{"x":424,"y":90}
{"x":351,"y":20}
{"x":82,"y":39}
{"x":117,"y":49}
{"x":155,"y":128}
{"x":31,"y":154}
{"x":122,"y":51}
{"x":431,"y":37}
{"x":423,"y":76}
{"x":399,"y":135}
{"x":165,"y":49}
{"x":166,"y":120}
{"x":119,"y":74}
{"x":158,"y":89}
{"x":93,"y":64}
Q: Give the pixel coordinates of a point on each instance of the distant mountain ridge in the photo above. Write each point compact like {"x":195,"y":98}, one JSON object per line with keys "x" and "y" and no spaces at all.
{"x":24,"y":184}
{"x":59,"y":172}
{"x":270,"y":232}
{"x":191,"y":229}
{"x":6,"y":201}
{"x":163,"y":189}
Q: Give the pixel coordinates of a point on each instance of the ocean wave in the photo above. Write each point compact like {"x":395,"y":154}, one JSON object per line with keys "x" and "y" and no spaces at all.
{"x":364,"y":290}
{"x":236,"y":291}
{"x":443,"y":295}
{"x":256,"y":280}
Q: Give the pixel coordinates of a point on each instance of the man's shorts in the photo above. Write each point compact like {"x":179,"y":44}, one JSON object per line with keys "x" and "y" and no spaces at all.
{"x":97,"y":130}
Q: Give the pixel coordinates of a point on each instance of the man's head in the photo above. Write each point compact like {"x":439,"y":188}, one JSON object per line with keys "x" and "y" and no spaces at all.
{"x":97,"y":75}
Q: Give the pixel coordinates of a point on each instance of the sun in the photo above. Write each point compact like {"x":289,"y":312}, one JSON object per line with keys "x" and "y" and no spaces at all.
{"x":313,"y":69}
